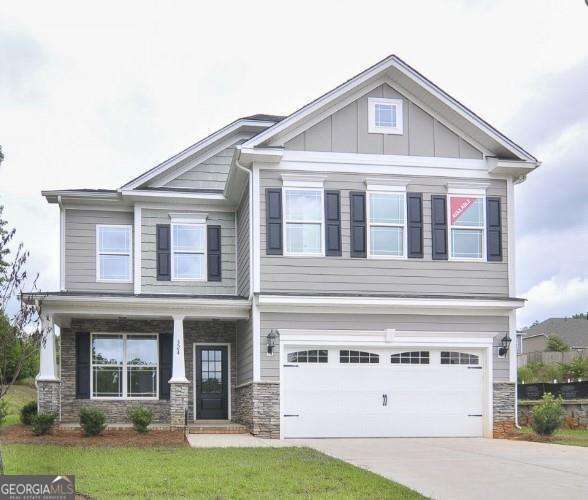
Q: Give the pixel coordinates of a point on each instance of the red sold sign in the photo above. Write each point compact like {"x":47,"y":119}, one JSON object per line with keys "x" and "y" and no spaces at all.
{"x":459,"y":204}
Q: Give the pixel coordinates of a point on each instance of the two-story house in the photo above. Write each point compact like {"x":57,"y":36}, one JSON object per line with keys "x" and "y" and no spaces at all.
{"x":347,"y":270}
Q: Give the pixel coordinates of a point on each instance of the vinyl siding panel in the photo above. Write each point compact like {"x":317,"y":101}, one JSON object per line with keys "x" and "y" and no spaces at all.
{"x":80,"y":249}
{"x":149,"y":284}
{"x":346,"y":131}
{"x":244,"y":352}
{"x":270,"y":367}
{"x":243,"y":245}
{"x":378,"y":276}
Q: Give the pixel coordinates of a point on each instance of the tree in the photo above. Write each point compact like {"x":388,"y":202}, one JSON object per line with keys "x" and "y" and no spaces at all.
{"x":557,"y":344}
{"x":580,"y":316}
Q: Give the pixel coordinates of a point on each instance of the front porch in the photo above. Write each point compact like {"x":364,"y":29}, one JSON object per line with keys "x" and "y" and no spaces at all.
{"x":183,"y":367}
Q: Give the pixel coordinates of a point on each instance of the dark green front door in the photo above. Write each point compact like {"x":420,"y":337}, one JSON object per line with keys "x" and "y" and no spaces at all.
{"x":211,"y":382}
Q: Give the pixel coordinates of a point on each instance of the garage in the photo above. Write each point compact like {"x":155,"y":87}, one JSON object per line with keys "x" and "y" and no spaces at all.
{"x":352,"y":391}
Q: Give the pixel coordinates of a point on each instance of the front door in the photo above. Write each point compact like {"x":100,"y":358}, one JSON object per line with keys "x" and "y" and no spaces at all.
{"x":211,"y":382}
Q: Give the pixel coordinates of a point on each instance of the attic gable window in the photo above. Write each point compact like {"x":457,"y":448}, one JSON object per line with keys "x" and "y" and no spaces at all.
{"x":385,"y":116}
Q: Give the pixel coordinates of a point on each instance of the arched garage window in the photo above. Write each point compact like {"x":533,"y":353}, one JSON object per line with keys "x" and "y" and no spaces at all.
{"x":410,"y":358}
{"x":312,"y":356}
{"x":358,"y":357}
{"x":459,"y":358}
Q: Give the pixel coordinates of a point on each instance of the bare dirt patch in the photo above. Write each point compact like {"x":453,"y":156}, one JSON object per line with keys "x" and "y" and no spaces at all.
{"x":19,"y":434}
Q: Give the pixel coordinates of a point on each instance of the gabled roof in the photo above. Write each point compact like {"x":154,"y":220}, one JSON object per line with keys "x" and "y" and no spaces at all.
{"x":413,"y":82}
{"x":573,"y":331}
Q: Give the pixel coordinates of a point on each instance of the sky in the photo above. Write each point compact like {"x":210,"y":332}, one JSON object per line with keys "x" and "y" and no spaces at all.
{"x":93,"y":94}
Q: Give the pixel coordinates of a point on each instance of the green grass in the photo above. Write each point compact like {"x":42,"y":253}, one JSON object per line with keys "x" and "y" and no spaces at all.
{"x":202,"y":473}
{"x":571,"y":437}
{"x":17,"y":396}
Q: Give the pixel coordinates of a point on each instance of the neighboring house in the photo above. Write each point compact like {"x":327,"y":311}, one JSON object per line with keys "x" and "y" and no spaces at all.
{"x":347,"y":270}
{"x":574,"y":332}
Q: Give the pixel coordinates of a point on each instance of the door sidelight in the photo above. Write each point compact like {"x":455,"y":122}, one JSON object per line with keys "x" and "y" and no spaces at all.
{"x":384,"y":399}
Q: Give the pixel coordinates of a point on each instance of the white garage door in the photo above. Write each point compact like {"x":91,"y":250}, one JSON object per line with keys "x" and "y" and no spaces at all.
{"x":352,"y":392}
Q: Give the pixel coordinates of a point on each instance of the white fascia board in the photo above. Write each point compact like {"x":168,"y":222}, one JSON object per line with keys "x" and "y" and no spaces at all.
{"x":186,"y":153}
{"x":178,"y":198}
{"x":511,"y":168}
{"x":267,"y":155}
{"x":66,"y":195}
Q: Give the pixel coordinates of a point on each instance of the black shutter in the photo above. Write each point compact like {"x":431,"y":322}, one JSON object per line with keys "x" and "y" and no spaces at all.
{"x":165,"y":363}
{"x":358,"y":224}
{"x":493,"y":229}
{"x":273,"y":209}
{"x":83,"y":366}
{"x":415,"y":225}
{"x":439,"y":226}
{"x":333,"y":223}
{"x":213,"y":243}
{"x":163,"y":249}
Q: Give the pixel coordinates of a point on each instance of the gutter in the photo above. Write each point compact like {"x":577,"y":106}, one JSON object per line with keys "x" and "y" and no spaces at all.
{"x":249,"y":175}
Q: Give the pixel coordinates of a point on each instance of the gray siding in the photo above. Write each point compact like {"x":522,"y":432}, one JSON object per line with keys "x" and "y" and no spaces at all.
{"x":149,"y":283}
{"x":80,"y":249}
{"x":270,"y":367}
{"x":377,"y":276}
{"x":210,"y":174}
{"x":346,"y":131}
{"x":243,"y":245}
{"x":244,"y":352}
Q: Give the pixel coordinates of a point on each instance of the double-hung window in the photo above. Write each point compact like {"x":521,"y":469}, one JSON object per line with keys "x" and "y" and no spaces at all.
{"x":124,"y":366}
{"x":188,"y":248}
{"x":467,"y":227}
{"x":386,"y":225}
{"x":304,"y":221}
{"x":113,"y":253}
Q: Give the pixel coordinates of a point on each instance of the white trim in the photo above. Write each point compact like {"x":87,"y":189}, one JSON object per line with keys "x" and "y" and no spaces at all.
{"x":513,"y":348}
{"x":194,"y":384}
{"x":467,"y":188}
{"x":387,"y":185}
{"x":256,"y":333}
{"x":188,"y":207}
{"x":137,"y":228}
{"x":129,"y":228}
{"x":489,"y":393}
{"x":188,"y":218}
{"x":303,"y":181}
{"x":403,"y":226}
{"x":373,"y":127}
{"x":123,"y":367}
{"x":61,"y":247}
{"x":190,"y":223}
{"x":256,"y":209}
{"x":172,"y":194}
{"x":451,"y":226}
{"x":321,"y":190}
{"x":511,"y":240}
{"x":47,"y":358}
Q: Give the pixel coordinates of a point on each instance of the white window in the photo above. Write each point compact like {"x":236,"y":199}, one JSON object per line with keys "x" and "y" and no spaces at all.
{"x":188,"y":244}
{"x":467,"y":227}
{"x":124,"y":366}
{"x":113,"y":253}
{"x":385,"y":116}
{"x":303,"y":220}
{"x":386,"y":225}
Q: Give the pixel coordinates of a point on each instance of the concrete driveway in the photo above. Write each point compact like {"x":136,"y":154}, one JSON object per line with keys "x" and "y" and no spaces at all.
{"x":469,"y":467}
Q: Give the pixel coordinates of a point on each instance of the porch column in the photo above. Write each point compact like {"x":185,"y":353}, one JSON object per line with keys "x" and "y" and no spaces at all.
{"x":178,"y":382}
{"x":48,"y":383}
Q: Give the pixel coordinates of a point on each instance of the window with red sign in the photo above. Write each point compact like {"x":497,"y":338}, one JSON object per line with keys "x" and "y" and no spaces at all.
{"x":467,"y":223}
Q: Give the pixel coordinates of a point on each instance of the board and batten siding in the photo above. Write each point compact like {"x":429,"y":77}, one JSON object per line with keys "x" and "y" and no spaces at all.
{"x":270,"y":365}
{"x":243,"y":245}
{"x":210,"y":174}
{"x":346,"y":131}
{"x":382,"y":276}
{"x":80,"y":249}
{"x":244,"y":351}
{"x":149,"y":284}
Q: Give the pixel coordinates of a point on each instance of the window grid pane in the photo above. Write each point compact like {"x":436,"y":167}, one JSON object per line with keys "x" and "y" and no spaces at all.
{"x":311,"y":356}
{"x":188,"y":265}
{"x":386,"y":240}
{"x":303,"y":205}
{"x":410,"y":358}
{"x":113,"y":239}
{"x":466,"y":243}
{"x":188,"y":237}
{"x":385,"y":115}
{"x":346,"y":356}
{"x":387,"y":208}
{"x":459,"y":358}
{"x":303,"y":238}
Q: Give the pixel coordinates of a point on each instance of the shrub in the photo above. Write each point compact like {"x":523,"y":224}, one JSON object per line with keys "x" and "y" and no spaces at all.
{"x":3,"y":410}
{"x":42,"y":423}
{"x":557,"y":344}
{"x":93,"y":421}
{"x":547,"y":415}
{"x":27,"y":412}
{"x":141,"y":418}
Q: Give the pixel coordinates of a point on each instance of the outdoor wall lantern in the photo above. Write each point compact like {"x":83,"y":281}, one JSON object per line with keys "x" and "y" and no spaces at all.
{"x":504,"y":345}
{"x":271,"y":341}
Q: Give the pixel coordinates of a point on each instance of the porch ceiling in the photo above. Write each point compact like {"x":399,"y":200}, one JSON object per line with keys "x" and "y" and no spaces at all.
{"x":63,"y":306}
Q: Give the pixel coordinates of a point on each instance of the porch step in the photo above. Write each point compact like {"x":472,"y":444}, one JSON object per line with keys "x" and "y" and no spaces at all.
{"x":216,"y":427}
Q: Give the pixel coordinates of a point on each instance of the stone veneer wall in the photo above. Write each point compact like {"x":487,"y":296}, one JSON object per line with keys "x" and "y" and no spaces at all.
{"x":48,"y":396}
{"x":178,"y":404}
{"x":258,"y":408}
{"x":504,"y":408}
{"x":243,"y":405}
{"x":117,"y":410}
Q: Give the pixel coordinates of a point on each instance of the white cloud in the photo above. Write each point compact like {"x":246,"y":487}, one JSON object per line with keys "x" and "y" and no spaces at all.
{"x":554,"y":297}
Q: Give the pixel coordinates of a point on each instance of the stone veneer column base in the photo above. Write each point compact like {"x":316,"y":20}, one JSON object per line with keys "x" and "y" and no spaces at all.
{"x":504,"y":409}
{"x":49,"y":396}
{"x":257,"y":406}
{"x":178,"y":404}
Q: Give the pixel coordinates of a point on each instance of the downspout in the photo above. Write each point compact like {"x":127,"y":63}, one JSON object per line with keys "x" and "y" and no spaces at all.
{"x":516,"y":387}
{"x":245,"y":169}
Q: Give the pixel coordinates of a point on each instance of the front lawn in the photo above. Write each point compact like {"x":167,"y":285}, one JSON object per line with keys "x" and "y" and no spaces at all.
{"x":572,"y":437}
{"x":17,"y":397}
{"x":208,"y":473}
